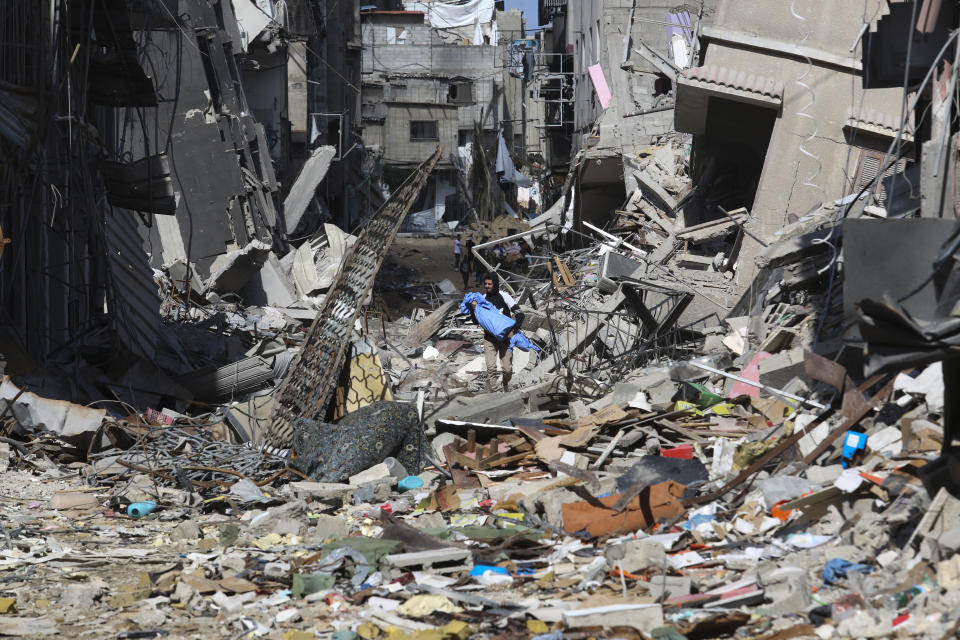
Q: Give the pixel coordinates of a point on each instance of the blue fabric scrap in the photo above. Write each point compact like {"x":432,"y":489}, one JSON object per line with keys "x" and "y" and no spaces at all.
{"x":495,"y":322}
{"x":838,"y":568}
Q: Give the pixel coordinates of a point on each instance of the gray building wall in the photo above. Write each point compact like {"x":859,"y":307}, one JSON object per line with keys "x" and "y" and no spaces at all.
{"x":410,"y":64}
{"x":510,"y":27}
{"x":595,"y":32}
{"x":399,"y":148}
{"x":837,"y":91}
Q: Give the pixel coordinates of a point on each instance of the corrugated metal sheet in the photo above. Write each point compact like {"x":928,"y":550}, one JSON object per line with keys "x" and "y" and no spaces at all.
{"x":237,"y":378}
{"x":420,"y":222}
{"x":734,"y":79}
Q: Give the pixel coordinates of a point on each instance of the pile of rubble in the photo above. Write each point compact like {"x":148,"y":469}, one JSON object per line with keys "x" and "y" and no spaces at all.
{"x":671,"y":463}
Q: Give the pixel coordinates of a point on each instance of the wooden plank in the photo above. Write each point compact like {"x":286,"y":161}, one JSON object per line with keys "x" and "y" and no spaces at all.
{"x":786,"y":443}
{"x":534,"y":434}
{"x":455,"y":457}
{"x":564,"y":272}
{"x":502,"y":459}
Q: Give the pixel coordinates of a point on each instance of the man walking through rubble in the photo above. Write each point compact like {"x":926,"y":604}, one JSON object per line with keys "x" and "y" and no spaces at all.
{"x":493,"y":347}
{"x":457,"y":252}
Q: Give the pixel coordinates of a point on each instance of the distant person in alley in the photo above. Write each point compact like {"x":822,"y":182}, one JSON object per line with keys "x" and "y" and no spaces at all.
{"x":457,"y":252}
{"x":493,"y":347}
{"x":464,"y":268}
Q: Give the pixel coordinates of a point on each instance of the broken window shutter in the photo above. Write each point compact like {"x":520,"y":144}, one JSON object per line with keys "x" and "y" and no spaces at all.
{"x":896,"y":167}
{"x":869,"y":168}
{"x":870,"y":164}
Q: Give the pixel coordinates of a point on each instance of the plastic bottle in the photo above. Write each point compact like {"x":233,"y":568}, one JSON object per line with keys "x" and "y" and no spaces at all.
{"x":901,"y":599}
{"x":141,"y":509}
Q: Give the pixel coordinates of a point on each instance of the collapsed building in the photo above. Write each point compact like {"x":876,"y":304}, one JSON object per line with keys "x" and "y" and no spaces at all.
{"x":739,"y":287}
{"x":183,"y":125}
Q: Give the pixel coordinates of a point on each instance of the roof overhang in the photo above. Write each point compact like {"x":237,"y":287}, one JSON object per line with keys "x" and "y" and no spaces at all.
{"x":878,"y":124}
{"x":697,"y":85}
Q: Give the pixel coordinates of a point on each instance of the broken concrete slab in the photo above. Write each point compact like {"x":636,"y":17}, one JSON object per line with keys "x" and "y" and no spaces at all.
{"x":231,"y":271}
{"x":642,"y":617}
{"x":780,"y":368}
{"x":309,"y":178}
{"x":269,"y":286}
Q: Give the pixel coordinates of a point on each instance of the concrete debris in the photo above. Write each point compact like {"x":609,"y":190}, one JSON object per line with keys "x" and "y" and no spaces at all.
{"x":467,"y":332}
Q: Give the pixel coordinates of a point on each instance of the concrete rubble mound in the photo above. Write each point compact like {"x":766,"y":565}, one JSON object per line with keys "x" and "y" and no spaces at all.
{"x":695,"y":382}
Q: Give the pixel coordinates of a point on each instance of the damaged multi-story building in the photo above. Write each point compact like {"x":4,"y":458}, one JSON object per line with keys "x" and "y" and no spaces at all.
{"x":794,"y":83}
{"x":160,"y":133}
{"x":608,"y":71}
{"x":434,"y":75}
{"x":301,"y":71}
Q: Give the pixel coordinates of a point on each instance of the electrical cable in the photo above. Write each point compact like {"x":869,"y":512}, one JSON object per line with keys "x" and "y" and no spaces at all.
{"x":886,"y":163}
{"x":810,"y":181}
{"x":831,"y":267}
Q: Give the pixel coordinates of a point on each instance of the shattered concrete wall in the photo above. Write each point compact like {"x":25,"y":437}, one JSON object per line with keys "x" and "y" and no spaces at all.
{"x":334,"y":63}
{"x":599,"y":32}
{"x":221,"y":167}
{"x":611,"y":34}
{"x":301,"y":75}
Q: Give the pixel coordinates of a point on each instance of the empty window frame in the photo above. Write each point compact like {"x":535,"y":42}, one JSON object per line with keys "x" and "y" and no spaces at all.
{"x":460,"y":92}
{"x":424,"y":130}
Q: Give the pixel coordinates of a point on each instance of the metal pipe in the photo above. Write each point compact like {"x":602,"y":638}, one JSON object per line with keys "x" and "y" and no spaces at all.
{"x":929,"y":13}
{"x":492,"y":243}
{"x":614,"y":238}
{"x":771,"y":390}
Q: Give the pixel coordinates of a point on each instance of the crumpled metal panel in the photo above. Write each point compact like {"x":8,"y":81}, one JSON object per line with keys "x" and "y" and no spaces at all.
{"x":142,"y":185}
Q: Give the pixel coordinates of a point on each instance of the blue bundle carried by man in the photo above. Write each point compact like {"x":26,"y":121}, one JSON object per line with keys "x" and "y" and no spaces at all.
{"x":500,"y":316}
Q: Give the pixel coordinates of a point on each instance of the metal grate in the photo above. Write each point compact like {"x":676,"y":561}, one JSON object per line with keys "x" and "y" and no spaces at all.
{"x":307,"y":389}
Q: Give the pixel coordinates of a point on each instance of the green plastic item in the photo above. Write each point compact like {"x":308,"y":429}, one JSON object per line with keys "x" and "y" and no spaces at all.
{"x":306,"y":583}
{"x":667,"y":633}
{"x":707,"y":398}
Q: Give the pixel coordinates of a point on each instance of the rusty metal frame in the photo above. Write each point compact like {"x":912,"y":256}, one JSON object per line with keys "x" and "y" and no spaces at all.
{"x":307,"y":389}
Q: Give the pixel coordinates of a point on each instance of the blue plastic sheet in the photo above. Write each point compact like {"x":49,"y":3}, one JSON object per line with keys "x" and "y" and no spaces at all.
{"x":487,"y":315}
{"x":521,"y":342}
{"x":838,"y":568}
{"x":495,"y":322}
{"x":480,"y":569}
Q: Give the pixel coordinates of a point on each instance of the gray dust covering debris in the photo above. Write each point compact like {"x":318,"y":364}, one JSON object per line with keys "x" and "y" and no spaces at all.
{"x":705,"y":391}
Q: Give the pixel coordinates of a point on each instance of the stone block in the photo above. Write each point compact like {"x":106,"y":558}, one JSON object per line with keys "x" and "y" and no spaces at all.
{"x":780,"y":368}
